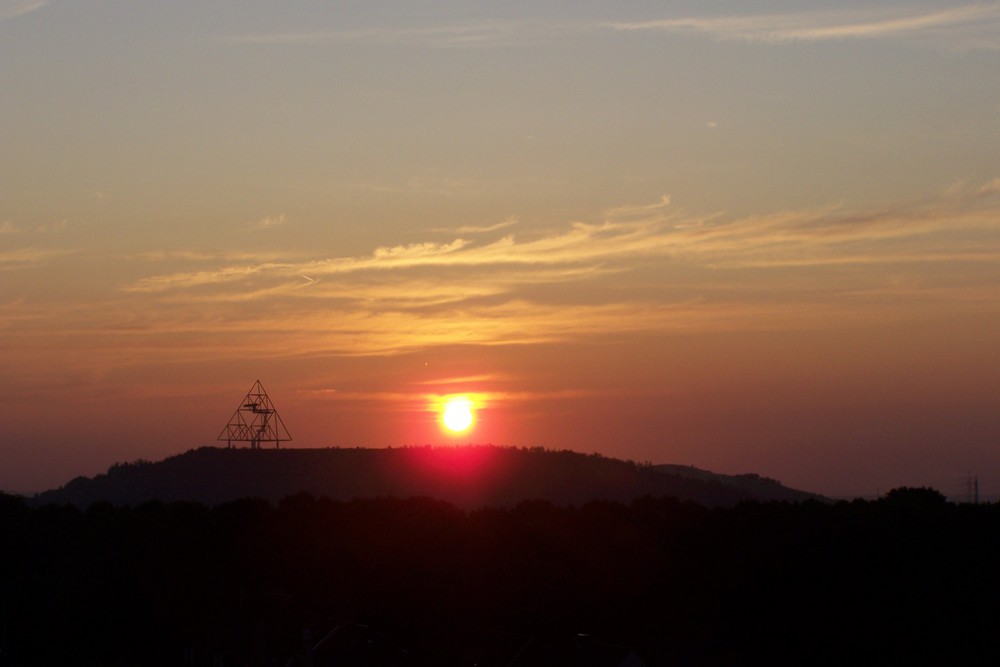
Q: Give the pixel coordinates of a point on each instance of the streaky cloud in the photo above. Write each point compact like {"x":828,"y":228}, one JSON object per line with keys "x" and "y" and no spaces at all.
{"x":10,"y":9}
{"x":197,"y":278}
{"x":476,"y":229}
{"x":467,"y":35}
{"x":269,"y":221}
{"x":639,"y":269}
{"x":22,"y":258}
{"x":252,"y":257}
{"x":976,"y":24}
{"x":464,"y":379}
{"x":989,"y":189}
{"x":406,"y":400}
{"x":416,"y":251}
{"x":631,"y":236}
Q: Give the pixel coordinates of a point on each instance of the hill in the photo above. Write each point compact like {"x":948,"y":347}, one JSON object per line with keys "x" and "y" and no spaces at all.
{"x":752,"y":484}
{"x":469,"y":477}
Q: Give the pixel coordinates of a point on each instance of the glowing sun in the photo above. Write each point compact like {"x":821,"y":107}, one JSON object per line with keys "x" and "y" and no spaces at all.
{"x":457,"y":415}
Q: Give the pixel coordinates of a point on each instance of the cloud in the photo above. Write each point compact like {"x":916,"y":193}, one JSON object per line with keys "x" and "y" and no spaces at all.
{"x":192,"y":279}
{"x":8,"y":227}
{"x":477,"y":229}
{"x":977,"y":23}
{"x":270,"y":221}
{"x":405,"y":401}
{"x":640,"y":210}
{"x":417,"y":251}
{"x":973,"y":25}
{"x":13,"y":8}
{"x":645,"y":269}
{"x":202,"y":256}
{"x":461,"y":35}
{"x":309,"y":333}
{"x":465,"y":380}
{"x":409,"y":400}
{"x":628,"y":238}
{"x":23,"y":258}
{"x":989,"y":189}
{"x":53,"y":227}
{"x":429,"y":184}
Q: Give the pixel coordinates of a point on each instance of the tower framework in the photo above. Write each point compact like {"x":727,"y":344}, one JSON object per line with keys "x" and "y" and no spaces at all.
{"x":255,"y":421}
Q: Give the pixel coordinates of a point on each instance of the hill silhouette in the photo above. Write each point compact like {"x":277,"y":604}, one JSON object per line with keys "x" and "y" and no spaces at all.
{"x":468,"y":477}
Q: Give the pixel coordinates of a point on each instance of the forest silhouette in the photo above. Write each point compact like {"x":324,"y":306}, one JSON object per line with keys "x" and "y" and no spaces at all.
{"x":385,"y":581}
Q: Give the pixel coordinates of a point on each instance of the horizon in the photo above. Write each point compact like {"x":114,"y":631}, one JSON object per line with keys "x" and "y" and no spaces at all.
{"x":956,"y":498}
{"x":749,"y":239}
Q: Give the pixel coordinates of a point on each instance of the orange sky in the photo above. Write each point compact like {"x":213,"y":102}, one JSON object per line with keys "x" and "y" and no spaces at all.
{"x":764,"y":242}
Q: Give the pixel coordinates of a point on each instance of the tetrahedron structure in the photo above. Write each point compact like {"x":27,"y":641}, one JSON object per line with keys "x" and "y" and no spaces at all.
{"x":255,"y":421}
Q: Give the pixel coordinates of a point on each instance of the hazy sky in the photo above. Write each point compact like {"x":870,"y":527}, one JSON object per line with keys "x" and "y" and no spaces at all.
{"x":752,"y":237}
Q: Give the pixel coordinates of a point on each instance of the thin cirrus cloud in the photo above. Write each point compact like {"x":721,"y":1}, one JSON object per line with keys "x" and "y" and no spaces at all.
{"x":404,"y":401}
{"x":989,"y":189}
{"x":138,"y":334}
{"x":22,"y":258}
{"x":270,"y":221}
{"x":13,"y":8}
{"x":477,"y":229}
{"x":642,"y":269}
{"x":467,"y":35}
{"x":977,"y":24}
{"x":655,"y":233}
{"x":10,"y":228}
{"x":974,"y":25}
{"x":206,"y":256}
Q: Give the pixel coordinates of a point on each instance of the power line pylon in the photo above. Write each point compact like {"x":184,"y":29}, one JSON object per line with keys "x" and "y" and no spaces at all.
{"x":255,"y":421}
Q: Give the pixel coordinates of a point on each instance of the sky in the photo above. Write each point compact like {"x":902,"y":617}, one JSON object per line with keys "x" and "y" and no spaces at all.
{"x":749,"y":237}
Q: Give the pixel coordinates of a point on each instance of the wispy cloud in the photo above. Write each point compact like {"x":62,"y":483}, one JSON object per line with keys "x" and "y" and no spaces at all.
{"x":13,"y":8}
{"x":477,"y":229}
{"x":192,"y":279}
{"x":22,"y":258}
{"x":977,"y":23}
{"x":406,"y":400}
{"x":269,"y":221}
{"x":648,"y":268}
{"x":211,"y":256}
{"x":459,"y":35}
{"x":56,"y":227}
{"x":629,"y":237}
{"x":989,"y":189}
{"x":465,"y":380}
{"x":9,"y":227}
{"x":431,"y":183}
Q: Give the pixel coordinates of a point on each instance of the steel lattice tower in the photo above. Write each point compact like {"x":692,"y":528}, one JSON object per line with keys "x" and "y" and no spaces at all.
{"x":255,"y":421}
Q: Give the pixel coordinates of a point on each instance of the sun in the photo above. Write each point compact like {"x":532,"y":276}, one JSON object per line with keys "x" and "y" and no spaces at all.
{"x":457,"y":415}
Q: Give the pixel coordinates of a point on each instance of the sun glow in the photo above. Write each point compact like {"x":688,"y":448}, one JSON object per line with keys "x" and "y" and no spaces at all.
{"x":457,"y":415}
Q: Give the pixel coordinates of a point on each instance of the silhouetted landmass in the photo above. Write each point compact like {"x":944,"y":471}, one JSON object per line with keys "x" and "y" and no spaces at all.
{"x":752,"y":485}
{"x":909,"y":579}
{"x":469,"y":477}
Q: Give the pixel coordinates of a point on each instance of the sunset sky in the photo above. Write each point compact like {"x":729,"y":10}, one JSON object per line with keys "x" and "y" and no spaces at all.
{"x":751,"y":237}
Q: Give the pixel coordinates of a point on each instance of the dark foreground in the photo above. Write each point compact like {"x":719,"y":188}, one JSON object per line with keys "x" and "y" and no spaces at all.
{"x":905,"y":580}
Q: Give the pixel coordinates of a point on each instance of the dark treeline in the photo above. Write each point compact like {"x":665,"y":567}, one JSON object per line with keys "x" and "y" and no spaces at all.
{"x":906,"y":579}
